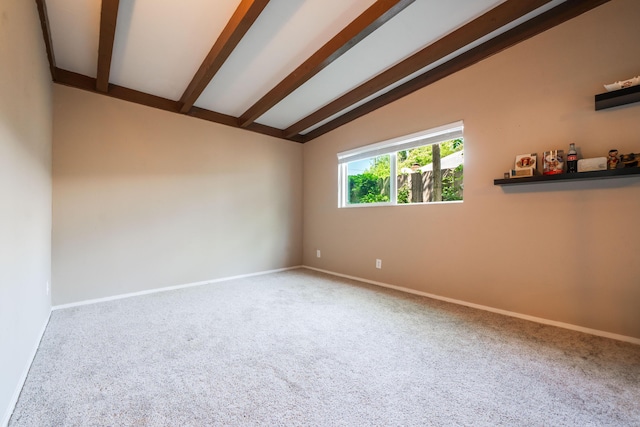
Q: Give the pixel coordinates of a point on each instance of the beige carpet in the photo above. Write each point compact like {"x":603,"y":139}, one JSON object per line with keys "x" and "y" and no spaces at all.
{"x":302,"y":348}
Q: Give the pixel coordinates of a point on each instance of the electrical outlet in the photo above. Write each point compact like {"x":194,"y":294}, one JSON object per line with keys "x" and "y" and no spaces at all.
{"x":48,"y":288}
{"x":378,"y":263}
{"x":318,"y":254}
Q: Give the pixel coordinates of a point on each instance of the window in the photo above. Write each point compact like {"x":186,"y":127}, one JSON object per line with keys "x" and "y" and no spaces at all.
{"x":426,"y":167}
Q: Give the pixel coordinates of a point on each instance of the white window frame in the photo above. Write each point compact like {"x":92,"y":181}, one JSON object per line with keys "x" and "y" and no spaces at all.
{"x":391,"y":147}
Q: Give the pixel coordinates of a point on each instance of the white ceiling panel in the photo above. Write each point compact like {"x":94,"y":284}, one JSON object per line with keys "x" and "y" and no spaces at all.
{"x":160,"y":45}
{"x":419,"y":25}
{"x":284,"y":36}
{"x":75,"y":30}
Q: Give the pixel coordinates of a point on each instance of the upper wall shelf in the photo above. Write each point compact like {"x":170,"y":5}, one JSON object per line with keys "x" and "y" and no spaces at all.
{"x":618,"y":97}
{"x":579,"y":176}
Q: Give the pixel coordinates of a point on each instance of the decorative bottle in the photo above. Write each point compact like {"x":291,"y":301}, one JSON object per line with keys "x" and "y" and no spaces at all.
{"x":572,"y":159}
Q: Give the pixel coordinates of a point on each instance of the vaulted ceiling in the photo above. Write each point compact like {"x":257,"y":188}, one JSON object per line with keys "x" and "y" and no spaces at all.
{"x":293,"y":69}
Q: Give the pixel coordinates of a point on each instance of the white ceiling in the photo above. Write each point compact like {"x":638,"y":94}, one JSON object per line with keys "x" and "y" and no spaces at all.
{"x":160,"y":44}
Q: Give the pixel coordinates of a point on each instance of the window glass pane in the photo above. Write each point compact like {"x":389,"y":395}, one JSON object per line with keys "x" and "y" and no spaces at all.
{"x":431,"y":173}
{"x":423,"y":167}
{"x":369,"y":180}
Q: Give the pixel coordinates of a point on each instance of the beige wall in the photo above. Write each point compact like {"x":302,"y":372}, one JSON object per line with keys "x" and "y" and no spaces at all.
{"x":25,"y":193}
{"x":145,"y":199}
{"x":567,"y":252}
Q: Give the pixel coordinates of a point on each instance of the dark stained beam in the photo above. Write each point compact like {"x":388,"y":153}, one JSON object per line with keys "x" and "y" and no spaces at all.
{"x":369,"y":21}
{"x":46,"y":33}
{"x":543,"y":22}
{"x":479,"y":27}
{"x":271,"y":131}
{"x":108,"y":19}
{"x":79,"y":81}
{"x":242,"y":19}
{"x":225,"y":119}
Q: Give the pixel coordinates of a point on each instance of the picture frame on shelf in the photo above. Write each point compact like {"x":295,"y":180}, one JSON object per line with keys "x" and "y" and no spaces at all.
{"x":525,"y":165}
{"x":553,"y":162}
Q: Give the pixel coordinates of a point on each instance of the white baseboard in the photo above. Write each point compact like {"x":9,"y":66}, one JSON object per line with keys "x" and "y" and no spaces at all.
{"x":590,"y":331}
{"x":170,"y":288}
{"x":23,"y":377}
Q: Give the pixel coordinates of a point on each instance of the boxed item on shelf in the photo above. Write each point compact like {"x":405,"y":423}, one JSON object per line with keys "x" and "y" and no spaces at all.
{"x":594,"y":164}
{"x":520,"y":173}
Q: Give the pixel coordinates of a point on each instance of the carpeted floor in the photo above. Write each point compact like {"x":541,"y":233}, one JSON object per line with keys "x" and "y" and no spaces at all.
{"x":302,"y":348}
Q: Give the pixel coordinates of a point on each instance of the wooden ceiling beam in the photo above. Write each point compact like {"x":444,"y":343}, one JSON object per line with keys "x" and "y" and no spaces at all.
{"x":108,"y":20}
{"x":242,"y":19}
{"x":80,"y":81}
{"x":369,"y":21}
{"x":232,"y":121}
{"x":543,"y":22}
{"x":468,"y":33}
{"x":46,"y":33}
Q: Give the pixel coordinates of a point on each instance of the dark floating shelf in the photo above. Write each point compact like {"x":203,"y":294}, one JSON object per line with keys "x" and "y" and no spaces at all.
{"x":618,"y":97}
{"x":580,"y":176}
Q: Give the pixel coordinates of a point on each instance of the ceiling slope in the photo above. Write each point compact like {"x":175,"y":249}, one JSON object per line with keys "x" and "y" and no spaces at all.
{"x":153,"y":46}
{"x":524,"y":31}
{"x":243,"y":18}
{"x":361,"y":27}
{"x":492,"y":20}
